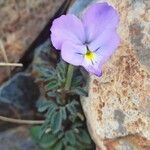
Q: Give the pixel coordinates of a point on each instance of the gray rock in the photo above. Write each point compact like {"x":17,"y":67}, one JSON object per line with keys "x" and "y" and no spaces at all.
{"x":42,"y":55}
{"x":79,"y":6}
{"x":17,"y":139}
{"x":20,"y":91}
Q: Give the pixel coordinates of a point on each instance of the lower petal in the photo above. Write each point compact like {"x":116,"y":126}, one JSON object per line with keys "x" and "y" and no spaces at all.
{"x":92,"y":67}
{"x":72,"y":53}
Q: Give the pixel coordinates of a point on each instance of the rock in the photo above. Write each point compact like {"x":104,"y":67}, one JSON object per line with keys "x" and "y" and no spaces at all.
{"x":20,"y":92}
{"x":42,"y":55}
{"x":17,"y":139}
{"x":78,"y":6}
{"x":21,"y":23}
{"x":118,"y":106}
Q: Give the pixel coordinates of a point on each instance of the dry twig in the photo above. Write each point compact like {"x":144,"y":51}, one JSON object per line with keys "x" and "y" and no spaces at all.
{"x":20,"y":121}
{"x":6,"y":63}
{"x":4,"y":55}
{"x":11,"y":64}
{"x":3,"y":51}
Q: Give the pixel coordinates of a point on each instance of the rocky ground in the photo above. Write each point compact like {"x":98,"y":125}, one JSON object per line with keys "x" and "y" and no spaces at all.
{"x":117,"y":109}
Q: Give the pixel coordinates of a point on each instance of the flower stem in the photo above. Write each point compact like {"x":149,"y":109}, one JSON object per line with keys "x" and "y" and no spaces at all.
{"x":69,"y":77}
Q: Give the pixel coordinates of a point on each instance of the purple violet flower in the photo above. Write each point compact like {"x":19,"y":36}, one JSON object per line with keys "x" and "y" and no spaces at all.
{"x":88,"y":41}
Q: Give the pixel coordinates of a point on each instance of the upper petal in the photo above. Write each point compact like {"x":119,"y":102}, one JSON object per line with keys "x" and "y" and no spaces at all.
{"x":67,"y":27}
{"x":73,"y":53}
{"x":97,"y":18}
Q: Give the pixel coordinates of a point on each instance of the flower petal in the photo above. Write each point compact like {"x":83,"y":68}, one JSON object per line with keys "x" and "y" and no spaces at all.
{"x":92,"y":67}
{"x":67,"y":27}
{"x":72,"y":53}
{"x":103,"y":48}
{"x":104,"y":38}
{"x":106,"y":47}
{"x":97,"y":18}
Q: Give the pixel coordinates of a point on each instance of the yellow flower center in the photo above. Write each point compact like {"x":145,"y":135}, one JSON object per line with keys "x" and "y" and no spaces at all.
{"x":89,"y":55}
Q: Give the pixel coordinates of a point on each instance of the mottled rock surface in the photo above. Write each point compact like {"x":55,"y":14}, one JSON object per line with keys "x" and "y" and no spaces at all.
{"x":20,"y":92}
{"x":118,"y":106}
{"x":21,"y":22}
{"x":17,"y":139}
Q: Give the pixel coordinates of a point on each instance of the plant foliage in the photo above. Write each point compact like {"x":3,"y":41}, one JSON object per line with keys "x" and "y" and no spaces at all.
{"x":64,"y":127}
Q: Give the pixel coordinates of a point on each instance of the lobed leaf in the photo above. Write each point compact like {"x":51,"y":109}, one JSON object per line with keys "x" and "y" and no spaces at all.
{"x":84,"y":137}
{"x":43,"y":106}
{"x":70,"y":137}
{"x":57,"y":146}
{"x":52,"y":85}
{"x":63,"y":112}
{"x":56,"y":122}
{"x":80,"y":91}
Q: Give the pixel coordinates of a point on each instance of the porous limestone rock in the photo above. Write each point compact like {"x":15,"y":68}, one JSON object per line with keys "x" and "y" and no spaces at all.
{"x":118,"y":106}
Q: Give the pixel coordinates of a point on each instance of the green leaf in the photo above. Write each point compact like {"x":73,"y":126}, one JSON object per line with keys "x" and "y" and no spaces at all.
{"x":50,"y":112}
{"x":70,"y":137}
{"x":70,"y":148}
{"x":61,"y":68}
{"x":71,"y":107}
{"x":60,"y":135}
{"x":80,"y":91}
{"x":43,"y":106}
{"x":58,"y":146}
{"x":56,"y":122}
{"x":63,"y":112}
{"x":77,"y":81}
{"x":77,"y":125}
{"x":45,"y":71}
{"x":61,"y":78}
{"x":48,"y":140}
{"x":35,"y":131}
{"x":64,"y":141}
{"x":72,"y":110}
{"x":74,"y":102}
{"x":84,"y":137}
{"x":52,"y":85}
{"x":50,"y":78}
{"x":58,"y":99}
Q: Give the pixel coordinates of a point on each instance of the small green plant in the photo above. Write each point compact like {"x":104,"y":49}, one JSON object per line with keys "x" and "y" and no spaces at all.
{"x":64,"y":127}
